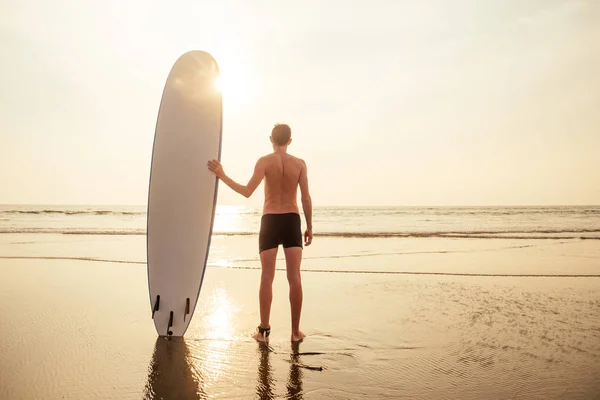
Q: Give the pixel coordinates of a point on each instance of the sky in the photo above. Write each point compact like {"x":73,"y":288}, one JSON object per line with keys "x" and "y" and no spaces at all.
{"x":391,"y":102}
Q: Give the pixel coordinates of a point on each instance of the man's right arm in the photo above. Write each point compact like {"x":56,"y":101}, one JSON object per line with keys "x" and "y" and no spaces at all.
{"x":306,"y":203}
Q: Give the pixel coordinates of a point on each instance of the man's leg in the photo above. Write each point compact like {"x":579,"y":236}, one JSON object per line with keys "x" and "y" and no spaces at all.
{"x":293,"y":259}
{"x":265,"y":295}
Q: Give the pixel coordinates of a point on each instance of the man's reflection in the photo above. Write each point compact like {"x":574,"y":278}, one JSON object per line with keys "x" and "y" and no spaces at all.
{"x":171,"y":375}
{"x":266,"y":383}
{"x":294,"y":384}
{"x":264,"y":386}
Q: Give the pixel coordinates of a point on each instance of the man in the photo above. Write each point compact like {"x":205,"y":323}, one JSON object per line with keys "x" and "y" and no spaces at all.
{"x":280,"y":223}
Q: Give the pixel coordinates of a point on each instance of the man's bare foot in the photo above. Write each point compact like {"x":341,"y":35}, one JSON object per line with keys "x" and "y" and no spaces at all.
{"x":297,"y":336}
{"x":262,"y":334}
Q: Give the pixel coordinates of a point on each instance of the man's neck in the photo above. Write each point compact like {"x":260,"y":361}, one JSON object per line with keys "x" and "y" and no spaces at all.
{"x":280,"y":149}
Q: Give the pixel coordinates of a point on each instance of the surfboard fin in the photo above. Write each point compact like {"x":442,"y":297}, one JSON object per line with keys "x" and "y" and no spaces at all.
{"x":156,"y":305}
{"x":169,"y":332}
{"x":187,"y":308}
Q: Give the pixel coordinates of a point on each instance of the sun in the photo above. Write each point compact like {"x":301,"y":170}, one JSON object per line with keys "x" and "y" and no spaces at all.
{"x":219,"y":84}
{"x":237,"y":84}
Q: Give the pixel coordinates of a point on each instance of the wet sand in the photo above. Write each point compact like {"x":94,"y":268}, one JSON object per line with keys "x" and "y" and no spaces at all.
{"x":75,"y":329}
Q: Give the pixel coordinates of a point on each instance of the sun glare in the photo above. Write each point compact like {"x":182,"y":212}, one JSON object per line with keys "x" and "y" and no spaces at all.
{"x":238,"y":86}
{"x":218,"y":84}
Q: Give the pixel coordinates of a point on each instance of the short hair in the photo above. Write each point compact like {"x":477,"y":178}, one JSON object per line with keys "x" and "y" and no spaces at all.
{"x":281,"y":134}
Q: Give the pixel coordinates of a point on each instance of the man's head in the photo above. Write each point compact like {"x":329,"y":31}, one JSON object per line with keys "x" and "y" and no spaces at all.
{"x":281,"y":135}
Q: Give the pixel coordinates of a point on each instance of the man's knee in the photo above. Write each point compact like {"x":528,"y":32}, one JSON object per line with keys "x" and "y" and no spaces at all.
{"x":293,"y":278}
{"x":267,"y":276}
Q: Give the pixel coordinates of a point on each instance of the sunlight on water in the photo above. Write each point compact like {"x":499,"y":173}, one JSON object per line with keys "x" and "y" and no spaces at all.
{"x":230,"y":219}
{"x":222,"y":263}
{"x":220,"y":320}
{"x":219,"y":329}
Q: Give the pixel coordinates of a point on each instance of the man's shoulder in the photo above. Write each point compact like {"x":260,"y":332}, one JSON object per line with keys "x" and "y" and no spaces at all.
{"x":273,"y":156}
{"x":297,"y":159}
{"x":301,"y":161}
{"x":265,"y":158}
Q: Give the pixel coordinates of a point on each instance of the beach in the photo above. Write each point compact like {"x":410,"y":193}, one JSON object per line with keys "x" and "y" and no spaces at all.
{"x":401,"y":316}
{"x":445,"y":155}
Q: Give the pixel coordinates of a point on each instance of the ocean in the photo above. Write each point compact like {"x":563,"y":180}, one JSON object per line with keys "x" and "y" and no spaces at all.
{"x":347,"y":239}
{"x":581,"y":222}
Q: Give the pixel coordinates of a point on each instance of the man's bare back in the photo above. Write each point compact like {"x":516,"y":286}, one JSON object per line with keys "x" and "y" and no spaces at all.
{"x":283,"y":174}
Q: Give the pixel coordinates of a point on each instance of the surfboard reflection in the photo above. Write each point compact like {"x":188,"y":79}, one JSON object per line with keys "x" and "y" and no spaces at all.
{"x":171,"y":373}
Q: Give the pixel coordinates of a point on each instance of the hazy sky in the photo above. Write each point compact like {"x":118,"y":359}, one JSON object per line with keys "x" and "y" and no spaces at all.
{"x":391,"y":102}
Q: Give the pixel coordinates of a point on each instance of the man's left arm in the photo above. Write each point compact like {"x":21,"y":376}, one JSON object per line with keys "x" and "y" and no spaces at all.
{"x":244,"y":190}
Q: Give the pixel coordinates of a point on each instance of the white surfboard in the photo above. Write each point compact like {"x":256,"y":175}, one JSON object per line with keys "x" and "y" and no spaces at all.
{"x":182,"y":192}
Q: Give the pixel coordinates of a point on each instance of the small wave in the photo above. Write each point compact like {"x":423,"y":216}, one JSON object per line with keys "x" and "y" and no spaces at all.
{"x":71,"y":258}
{"x":404,"y":253}
{"x":34,"y":212}
{"x":531,"y":234}
{"x":524,"y":235}
{"x":67,"y":231}
{"x":328,"y":271}
{"x":383,"y":272}
{"x":461,"y":211}
{"x":73,"y":212}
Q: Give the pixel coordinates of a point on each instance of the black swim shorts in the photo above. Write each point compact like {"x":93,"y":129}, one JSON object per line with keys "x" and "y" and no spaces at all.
{"x":276,"y":229}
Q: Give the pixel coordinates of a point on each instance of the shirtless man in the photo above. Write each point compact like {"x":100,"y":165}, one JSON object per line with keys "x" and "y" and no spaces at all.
{"x":280,"y":223}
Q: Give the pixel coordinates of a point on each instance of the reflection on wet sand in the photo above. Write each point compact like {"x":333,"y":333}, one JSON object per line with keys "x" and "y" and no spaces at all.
{"x":265,"y":383}
{"x":179,"y":372}
{"x":171,"y":373}
{"x":294,"y":384}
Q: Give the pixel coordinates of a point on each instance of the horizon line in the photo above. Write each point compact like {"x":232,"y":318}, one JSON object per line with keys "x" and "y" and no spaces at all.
{"x":324,"y":205}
